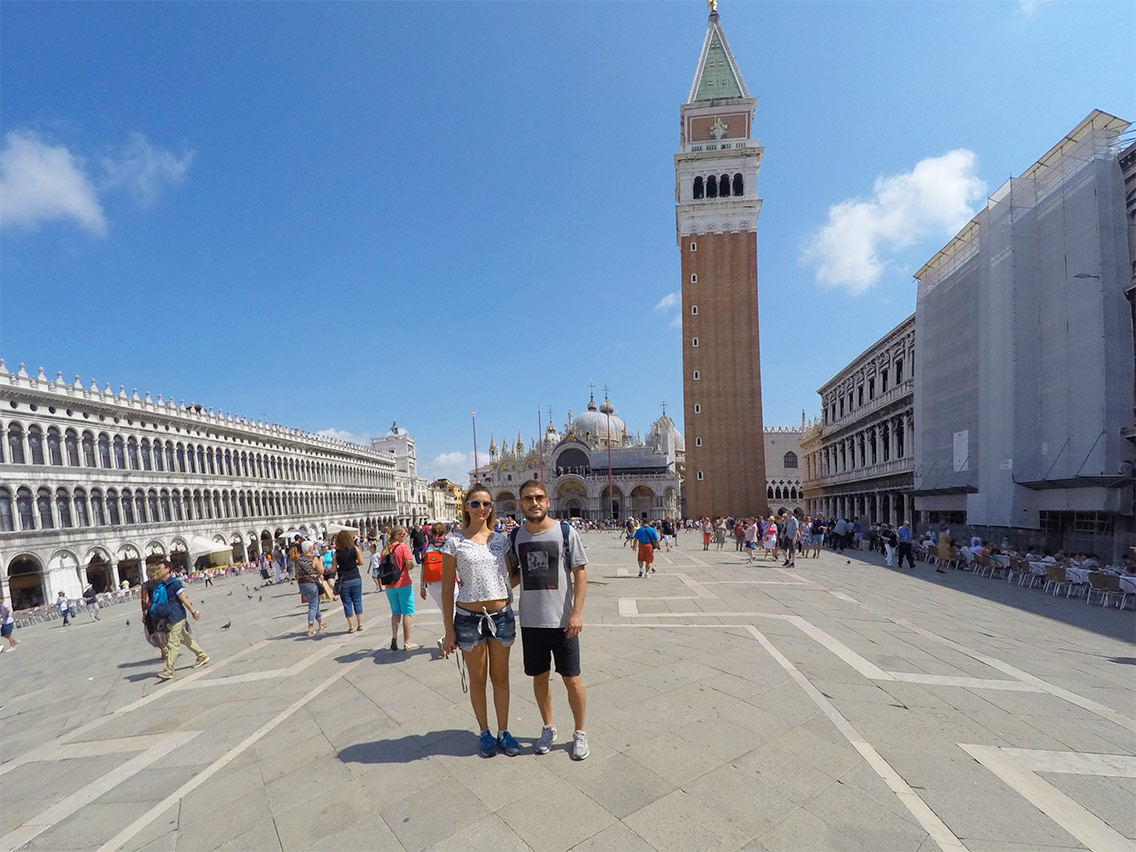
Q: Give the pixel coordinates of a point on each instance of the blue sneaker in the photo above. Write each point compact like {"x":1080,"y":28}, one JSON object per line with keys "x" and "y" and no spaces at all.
{"x":488,"y":744}
{"x":508,"y":744}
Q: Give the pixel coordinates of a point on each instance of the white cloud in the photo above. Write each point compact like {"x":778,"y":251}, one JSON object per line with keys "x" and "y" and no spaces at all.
{"x":670,"y":301}
{"x":341,"y":435}
{"x":933,"y":200}
{"x":1026,"y":8}
{"x":454,"y":466}
{"x":41,"y":182}
{"x":142,"y":170}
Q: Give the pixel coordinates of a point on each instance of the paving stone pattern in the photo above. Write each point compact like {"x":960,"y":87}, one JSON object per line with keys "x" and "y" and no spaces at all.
{"x":730,"y":706}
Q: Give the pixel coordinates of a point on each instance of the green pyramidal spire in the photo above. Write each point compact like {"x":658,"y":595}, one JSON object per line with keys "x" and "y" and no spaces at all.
{"x":717,"y":75}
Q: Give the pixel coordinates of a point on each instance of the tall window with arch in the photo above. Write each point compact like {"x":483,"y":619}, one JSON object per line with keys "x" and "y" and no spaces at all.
{"x":790,"y":459}
{"x":35,"y":444}
{"x":699,"y":188}
{"x":16,"y":443}
{"x":25,"y":508}
{"x":82,"y":516}
{"x":7,"y":519}
{"x":63,"y":507}
{"x":43,"y":505}
{"x":71,"y":447}
{"x":54,"y":447}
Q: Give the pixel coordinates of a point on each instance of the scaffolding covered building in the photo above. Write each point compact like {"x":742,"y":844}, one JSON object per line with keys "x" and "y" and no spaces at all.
{"x":1024,"y":358}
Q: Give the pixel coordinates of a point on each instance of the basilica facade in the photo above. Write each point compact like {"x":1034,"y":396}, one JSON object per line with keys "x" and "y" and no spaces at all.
{"x":94,"y":484}
{"x":593,"y":468}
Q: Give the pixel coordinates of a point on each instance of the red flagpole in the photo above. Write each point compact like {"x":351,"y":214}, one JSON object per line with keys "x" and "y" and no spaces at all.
{"x":474,"y":418}
{"x":540,"y":432}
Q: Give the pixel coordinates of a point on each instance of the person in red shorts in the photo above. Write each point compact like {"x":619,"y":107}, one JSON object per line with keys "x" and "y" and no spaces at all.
{"x":647,"y":538}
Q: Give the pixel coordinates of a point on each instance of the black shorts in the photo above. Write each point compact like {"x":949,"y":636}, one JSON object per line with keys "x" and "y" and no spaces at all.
{"x":543,"y":644}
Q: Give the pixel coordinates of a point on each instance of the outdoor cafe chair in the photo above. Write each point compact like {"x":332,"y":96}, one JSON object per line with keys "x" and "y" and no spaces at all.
{"x":1107,"y":586}
{"x":1055,"y":578}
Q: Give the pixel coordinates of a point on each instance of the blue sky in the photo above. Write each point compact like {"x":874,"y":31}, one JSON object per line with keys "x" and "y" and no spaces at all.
{"x":336,"y":215}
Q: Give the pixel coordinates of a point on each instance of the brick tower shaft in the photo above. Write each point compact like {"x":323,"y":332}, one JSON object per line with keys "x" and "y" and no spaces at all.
{"x":716,"y":222}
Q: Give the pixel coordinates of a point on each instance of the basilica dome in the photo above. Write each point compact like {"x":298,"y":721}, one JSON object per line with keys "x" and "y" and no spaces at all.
{"x":593,"y":425}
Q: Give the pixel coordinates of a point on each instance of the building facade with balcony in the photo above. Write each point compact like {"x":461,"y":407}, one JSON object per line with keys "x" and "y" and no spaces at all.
{"x":94,"y":484}
{"x":784,"y":467}
{"x":858,"y":457}
{"x":593,"y":469}
{"x":412,"y":498}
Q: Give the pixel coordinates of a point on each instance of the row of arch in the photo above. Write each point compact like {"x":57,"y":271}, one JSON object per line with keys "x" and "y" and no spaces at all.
{"x":48,"y":508}
{"x":33,"y":578}
{"x":719,"y":186}
{"x":72,"y":448}
{"x":789,"y":492}
{"x":571,"y":498}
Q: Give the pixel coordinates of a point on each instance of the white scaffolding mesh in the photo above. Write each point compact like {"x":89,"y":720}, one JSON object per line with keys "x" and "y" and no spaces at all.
{"x":1025,"y":347}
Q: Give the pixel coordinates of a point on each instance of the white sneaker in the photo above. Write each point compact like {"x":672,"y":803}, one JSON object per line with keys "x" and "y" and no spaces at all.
{"x":547,"y":738}
{"x":579,"y":746}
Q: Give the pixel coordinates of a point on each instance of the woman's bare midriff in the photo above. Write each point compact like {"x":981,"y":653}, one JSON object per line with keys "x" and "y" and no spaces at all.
{"x":488,"y":606}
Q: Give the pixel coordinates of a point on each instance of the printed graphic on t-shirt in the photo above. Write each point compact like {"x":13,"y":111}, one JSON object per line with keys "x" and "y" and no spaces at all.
{"x":540,"y":565}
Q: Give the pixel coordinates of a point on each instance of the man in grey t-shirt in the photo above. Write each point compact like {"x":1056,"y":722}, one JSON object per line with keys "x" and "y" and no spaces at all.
{"x":552,"y":583}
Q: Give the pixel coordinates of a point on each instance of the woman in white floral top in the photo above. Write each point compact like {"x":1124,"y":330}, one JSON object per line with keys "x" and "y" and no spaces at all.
{"x":481,"y":621}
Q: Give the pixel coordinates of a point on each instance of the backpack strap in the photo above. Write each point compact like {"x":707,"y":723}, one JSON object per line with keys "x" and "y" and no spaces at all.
{"x":567,"y":550}
{"x":513,"y":544}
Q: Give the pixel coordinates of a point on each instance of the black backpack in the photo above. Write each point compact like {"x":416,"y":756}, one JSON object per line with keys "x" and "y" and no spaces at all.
{"x":389,"y":572}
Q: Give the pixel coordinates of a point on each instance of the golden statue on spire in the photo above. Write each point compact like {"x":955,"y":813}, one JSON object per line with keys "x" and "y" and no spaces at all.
{"x":712,"y":5}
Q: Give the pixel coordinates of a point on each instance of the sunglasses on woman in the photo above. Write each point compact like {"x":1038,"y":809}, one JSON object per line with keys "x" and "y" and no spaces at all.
{"x":480,"y":504}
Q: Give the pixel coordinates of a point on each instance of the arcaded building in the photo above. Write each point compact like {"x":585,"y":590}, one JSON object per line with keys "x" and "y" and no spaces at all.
{"x":716,"y":220}
{"x":858,"y":458}
{"x":96,"y":483}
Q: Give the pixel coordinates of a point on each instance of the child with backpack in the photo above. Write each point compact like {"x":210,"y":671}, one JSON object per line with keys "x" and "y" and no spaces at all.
{"x":431,"y":580}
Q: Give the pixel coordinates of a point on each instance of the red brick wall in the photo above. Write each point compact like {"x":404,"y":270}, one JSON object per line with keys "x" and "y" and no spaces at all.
{"x":732,"y":455}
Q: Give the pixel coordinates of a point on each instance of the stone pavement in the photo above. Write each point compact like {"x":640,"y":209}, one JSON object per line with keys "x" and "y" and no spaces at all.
{"x":836,"y":705}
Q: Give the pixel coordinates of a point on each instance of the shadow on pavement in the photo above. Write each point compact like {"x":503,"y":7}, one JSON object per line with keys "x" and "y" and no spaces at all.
{"x":414,"y":747}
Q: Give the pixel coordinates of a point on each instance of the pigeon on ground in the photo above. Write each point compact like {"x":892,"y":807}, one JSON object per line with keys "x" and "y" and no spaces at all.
{"x":250,"y":597}
{"x":260,"y":598}
{"x":128,"y":622}
{"x":229,"y":595}
{"x":226,"y":625}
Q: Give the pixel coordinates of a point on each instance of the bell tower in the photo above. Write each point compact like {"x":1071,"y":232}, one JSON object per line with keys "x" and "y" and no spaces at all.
{"x":716,"y":222}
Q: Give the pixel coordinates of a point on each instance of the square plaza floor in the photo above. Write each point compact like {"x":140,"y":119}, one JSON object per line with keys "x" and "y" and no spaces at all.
{"x":837,"y":704}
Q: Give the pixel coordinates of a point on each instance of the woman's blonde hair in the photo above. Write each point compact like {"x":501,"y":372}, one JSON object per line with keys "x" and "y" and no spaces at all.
{"x":394,"y":533}
{"x":467,"y":518}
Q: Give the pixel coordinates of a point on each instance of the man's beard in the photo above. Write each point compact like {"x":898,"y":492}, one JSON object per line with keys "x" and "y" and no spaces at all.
{"x":540,"y":515}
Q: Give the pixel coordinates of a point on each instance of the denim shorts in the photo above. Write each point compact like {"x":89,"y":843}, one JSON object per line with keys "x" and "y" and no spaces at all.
{"x":473,"y":628}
